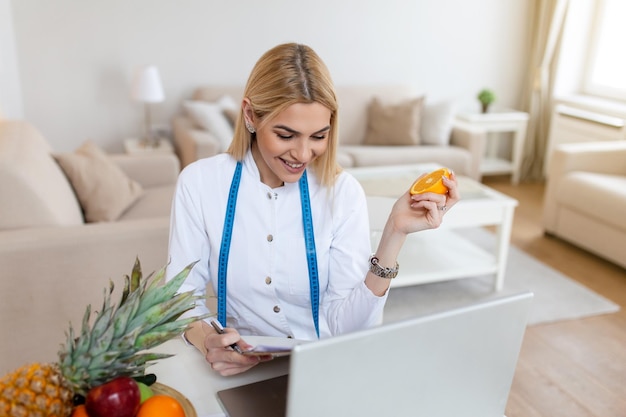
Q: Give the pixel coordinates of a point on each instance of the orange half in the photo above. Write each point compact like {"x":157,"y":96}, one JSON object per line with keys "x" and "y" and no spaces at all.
{"x":431,"y":182}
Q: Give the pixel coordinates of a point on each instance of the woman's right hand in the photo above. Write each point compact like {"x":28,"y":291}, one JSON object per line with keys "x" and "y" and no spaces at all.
{"x":222,"y":357}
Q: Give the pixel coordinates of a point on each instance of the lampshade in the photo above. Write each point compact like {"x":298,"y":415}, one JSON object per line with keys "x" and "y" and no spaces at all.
{"x":147,"y":85}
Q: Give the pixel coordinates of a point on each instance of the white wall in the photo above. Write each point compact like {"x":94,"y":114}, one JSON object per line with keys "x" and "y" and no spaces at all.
{"x":10,"y":94}
{"x":76,"y":58}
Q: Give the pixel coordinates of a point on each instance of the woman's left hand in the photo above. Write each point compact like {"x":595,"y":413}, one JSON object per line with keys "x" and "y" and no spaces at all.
{"x":413,"y":213}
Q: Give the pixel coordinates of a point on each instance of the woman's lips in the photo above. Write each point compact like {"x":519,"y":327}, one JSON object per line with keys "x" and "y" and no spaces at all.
{"x":294,"y":167}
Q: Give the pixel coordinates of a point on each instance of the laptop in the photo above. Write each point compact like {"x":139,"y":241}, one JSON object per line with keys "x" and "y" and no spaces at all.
{"x":454,"y":363}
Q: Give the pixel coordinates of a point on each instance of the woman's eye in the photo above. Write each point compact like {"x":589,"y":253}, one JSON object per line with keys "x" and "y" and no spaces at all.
{"x":319,"y":137}
{"x":283,"y":136}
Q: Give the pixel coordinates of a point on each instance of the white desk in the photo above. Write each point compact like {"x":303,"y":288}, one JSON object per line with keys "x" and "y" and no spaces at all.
{"x":500,"y":121}
{"x":426,"y":257}
{"x":189,"y":374}
{"x":441,"y":254}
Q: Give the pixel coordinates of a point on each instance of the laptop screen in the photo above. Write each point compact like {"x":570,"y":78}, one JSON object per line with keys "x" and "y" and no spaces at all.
{"x":458,"y":363}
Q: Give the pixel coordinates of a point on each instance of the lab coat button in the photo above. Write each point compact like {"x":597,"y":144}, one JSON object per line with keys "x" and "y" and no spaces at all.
{"x":269,"y":195}
{"x":276,"y":309}
{"x":270,"y":238}
{"x":268,"y":280}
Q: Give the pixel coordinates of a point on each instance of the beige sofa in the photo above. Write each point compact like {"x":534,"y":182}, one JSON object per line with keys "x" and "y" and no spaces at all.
{"x":585,"y":197}
{"x":461,"y":150}
{"x":53,"y":263}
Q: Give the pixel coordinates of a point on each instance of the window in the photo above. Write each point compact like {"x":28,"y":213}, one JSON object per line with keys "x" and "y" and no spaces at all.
{"x":606,"y":66}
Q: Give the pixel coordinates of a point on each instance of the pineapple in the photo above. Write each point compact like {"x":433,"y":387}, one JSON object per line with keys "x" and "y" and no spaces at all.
{"x":114,"y":345}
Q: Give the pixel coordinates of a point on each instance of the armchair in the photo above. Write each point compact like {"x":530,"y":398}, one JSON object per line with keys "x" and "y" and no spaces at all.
{"x":585,"y":197}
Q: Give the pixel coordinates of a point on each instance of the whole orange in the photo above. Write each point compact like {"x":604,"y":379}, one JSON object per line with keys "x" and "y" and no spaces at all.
{"x":431,"y":182}
{"x":79,"y":411}
{"x":161,"y":406}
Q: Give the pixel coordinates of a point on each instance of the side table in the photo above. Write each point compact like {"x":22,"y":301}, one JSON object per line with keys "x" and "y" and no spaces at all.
{"x":135,"y":146}
{"x":500,"y":121}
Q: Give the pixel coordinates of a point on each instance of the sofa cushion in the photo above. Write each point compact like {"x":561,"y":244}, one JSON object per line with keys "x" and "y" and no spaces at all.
{"x":35,"y":191}
{"x":211,"y":116}
{"x":605,"y":194}
{"x":394,"y":124}
{"x":354,"y":102}
{"x":154,"y":202}
{"x":344,"y":159}
{"x":453,"y":157}
{"x":231,"y":115}
{"x":102,"y":188}
{"x":436,"y":125}
{"x":230,"y":108}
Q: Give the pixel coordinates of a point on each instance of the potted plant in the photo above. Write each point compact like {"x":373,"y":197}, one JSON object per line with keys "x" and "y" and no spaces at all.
{"x":486,"y":97}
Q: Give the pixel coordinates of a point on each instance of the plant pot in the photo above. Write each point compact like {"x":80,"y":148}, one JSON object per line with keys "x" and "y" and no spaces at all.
{"x":485,"y":107}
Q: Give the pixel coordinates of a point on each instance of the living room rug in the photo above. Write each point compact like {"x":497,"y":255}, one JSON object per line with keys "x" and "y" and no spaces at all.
{"x":557,"y":297}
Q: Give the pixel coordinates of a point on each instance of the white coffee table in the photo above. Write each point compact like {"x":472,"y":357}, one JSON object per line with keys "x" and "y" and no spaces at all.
{"x":444,"y":253}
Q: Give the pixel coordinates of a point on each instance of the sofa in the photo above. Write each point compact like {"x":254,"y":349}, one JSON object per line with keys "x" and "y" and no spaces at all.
{"x":378,"y":125}
{"x":585,"y":197}
{"x":57,"y":250}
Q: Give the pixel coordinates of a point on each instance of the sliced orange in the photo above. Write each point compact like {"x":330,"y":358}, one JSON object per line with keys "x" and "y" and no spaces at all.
{"x":431,"y":182}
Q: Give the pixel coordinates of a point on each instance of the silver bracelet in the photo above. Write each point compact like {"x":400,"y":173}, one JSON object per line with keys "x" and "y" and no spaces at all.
{"x":381,"y":271}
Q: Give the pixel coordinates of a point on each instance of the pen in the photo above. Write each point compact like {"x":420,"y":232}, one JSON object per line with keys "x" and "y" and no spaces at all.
{"x":219,"y":329}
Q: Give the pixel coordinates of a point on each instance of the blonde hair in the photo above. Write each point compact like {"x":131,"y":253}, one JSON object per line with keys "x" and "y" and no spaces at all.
{"x":288,"y":74}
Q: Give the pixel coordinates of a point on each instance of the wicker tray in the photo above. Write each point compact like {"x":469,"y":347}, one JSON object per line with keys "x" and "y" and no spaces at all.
{"x":158,"y":388}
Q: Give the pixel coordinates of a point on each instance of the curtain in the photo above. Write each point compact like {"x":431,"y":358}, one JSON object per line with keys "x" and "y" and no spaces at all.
{"x":547,"y":20}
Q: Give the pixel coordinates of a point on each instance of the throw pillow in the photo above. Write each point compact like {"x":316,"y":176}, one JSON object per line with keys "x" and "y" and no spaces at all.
{"x":229,"y":108}
{"x":437,"y":123}
{"x":211,"y":117}
{"x":231,"y":115}
{"x":396,"y":124}
{"x":103,"y":189}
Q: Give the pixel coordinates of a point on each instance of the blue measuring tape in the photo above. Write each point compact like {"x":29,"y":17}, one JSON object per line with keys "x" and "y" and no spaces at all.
{"x":309,"y":238}
{"x":222,"y":268}
{"x":311,"y":253}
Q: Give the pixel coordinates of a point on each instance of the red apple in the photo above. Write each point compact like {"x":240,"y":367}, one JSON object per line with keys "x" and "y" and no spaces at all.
{"x":116,"y":398}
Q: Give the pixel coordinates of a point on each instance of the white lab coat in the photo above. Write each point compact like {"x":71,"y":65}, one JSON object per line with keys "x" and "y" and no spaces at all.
{"x":268,"y":290}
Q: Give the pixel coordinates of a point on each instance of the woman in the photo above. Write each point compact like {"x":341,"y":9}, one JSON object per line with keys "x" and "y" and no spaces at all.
{"x":280,"y":232}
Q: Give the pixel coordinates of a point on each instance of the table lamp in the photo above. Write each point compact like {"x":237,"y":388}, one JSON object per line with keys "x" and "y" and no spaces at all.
{"x":147,"y":88}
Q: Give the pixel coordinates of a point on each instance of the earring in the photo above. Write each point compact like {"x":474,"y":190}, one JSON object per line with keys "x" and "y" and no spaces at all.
{"x":250,"y":127}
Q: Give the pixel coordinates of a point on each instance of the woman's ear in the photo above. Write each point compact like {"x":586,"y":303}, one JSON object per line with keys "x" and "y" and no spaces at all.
{"x":248,"y":113}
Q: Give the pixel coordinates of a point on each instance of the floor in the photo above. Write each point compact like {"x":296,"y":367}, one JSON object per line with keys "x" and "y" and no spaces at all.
{"x":574,"y":368}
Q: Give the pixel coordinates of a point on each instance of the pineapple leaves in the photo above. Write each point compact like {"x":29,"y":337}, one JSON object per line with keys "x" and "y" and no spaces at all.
{"x":171,"y":308}
{"x":135,"y":276}
{"x":147,"y":315}
{"x":131,"y":283}
{"x":126,"y":311}
{"x":81,"y":345}
{"x":126,"y":290}
{"x":156,"y":294}
{"x":165,"y":331}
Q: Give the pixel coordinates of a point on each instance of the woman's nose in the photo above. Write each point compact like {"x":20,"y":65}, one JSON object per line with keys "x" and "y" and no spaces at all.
{"x":303,"y":151}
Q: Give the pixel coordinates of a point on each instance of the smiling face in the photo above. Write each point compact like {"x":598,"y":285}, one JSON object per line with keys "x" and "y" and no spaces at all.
{"x":288,"y":143}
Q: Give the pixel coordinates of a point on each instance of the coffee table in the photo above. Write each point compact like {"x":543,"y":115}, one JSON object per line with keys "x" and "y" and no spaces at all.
{"x":444,"y":253}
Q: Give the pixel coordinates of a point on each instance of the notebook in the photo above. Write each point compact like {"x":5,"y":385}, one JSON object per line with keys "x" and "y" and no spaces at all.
{"x":455,"y":363}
